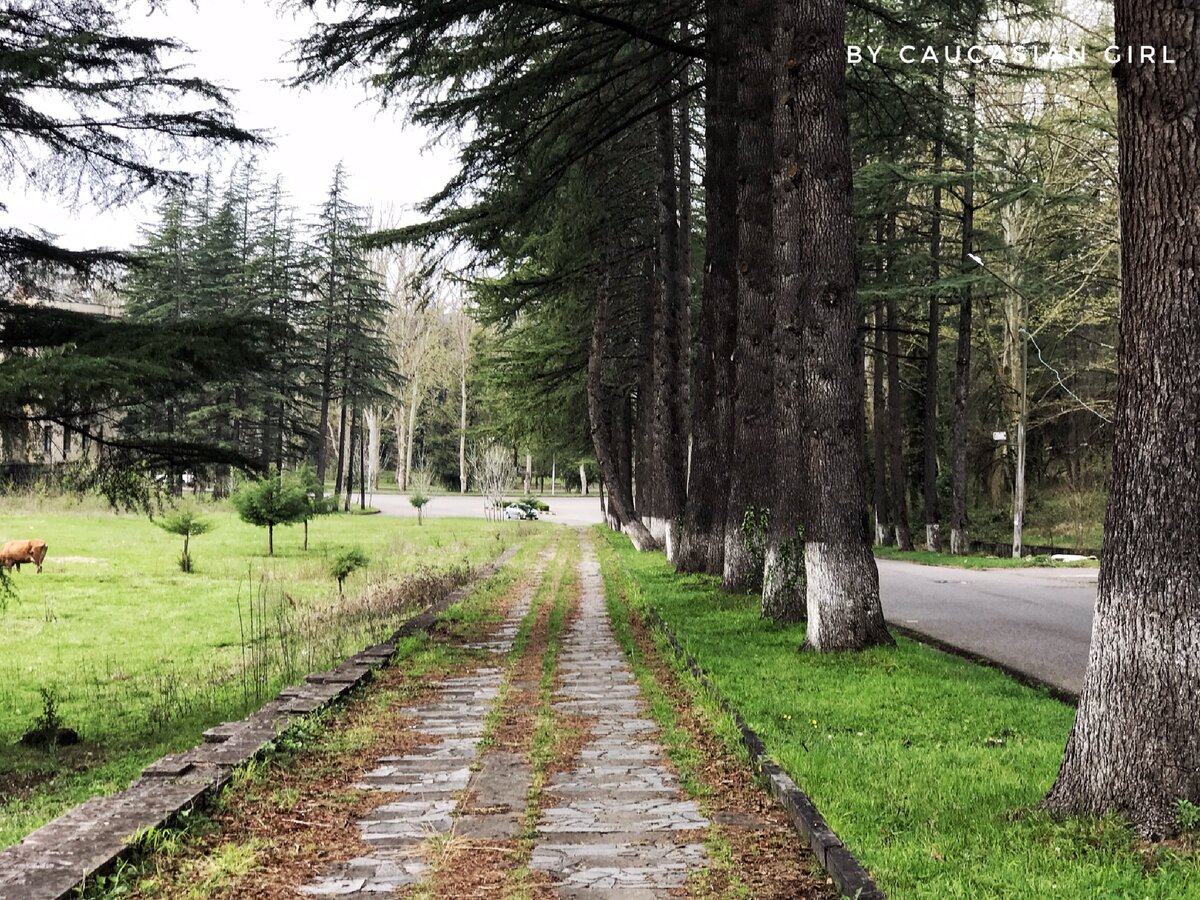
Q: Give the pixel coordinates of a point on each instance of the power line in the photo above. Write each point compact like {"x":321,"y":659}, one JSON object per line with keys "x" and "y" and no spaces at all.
{"x":1062,"y":383}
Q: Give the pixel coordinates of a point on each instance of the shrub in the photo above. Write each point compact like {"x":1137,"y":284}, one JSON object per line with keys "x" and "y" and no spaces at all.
{"x":347,"y":562}
{"x":186,"y":522}
{"x":420,"y":483}
{"x":272,"y":501}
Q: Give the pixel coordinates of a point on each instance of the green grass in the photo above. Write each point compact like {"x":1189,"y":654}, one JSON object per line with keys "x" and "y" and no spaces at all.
{"x":142,"y":657}
{"x":927,"y":558}
{"x":929,"y":767}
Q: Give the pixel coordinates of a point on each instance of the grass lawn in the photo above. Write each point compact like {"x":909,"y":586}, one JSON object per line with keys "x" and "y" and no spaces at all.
{"x":929,"y":767}
{"x":141,"y":658}
{"x":926,"y":558}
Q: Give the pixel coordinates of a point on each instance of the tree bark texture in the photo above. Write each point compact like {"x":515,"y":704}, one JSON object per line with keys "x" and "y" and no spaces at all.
{"x":753,"y":441}
{"x":784,"y":589}
{"x":1135,"y":746}
{"x":702,"y":538}
{"x":600,"y":424}
{"x":844,"y":612}
{"x":895,"y":398}
{"x":671,"y":333}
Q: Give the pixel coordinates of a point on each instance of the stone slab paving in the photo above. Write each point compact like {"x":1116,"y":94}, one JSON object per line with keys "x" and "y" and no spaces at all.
{"x":613,"y":826}
{"x":428,"y":782}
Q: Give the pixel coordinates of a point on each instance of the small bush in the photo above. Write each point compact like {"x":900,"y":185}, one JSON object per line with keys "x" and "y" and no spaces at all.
{"x":48,"y":731}
{"x":186,"y":522}
{"x":347,"y":562}
{"x":419,"y":485}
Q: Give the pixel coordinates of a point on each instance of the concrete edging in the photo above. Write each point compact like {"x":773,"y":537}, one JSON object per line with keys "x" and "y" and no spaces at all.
{"x":54,"y":861}
{"x":850,"y":876}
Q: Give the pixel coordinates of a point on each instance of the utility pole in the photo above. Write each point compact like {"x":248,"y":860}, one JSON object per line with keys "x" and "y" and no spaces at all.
{"x":1022,"y":335}
{"x":1022,"y":425}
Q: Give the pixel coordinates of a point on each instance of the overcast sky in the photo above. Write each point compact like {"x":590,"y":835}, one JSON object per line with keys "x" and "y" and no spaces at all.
{"x":242,"y":46}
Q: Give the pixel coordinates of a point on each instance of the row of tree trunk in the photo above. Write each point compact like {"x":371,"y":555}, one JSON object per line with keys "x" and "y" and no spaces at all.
{"x":775,"y":497}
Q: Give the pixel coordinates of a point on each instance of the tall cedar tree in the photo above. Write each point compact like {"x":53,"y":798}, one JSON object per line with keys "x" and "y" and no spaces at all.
{"x":84,"y":102}
{"x":844,"y":610}
{"x":1135,"y":746}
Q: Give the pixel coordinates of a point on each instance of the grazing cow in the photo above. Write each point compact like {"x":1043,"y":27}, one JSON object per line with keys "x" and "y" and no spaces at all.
{"x":16,"y":552}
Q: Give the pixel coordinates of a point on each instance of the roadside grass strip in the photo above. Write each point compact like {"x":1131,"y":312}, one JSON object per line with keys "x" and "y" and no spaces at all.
{"x":930,"y":768}
{"x":976,"y":561}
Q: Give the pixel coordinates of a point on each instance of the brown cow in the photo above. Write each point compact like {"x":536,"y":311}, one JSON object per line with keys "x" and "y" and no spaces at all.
{"x":16,"y":552}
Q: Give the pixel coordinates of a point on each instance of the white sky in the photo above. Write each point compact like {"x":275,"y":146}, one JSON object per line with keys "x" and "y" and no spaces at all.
{"x":241,"y":45}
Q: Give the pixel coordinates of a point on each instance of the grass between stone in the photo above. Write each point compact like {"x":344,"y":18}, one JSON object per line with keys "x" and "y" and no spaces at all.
{"x":553,"y":735}
{"x":929,"y":767}
{"x":701,"y":741}
{"x":141,"y":658}
{"x":463,"y":866}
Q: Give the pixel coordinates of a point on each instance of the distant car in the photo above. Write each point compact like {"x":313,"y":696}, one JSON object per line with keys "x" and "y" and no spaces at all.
{"x":513,"y":511}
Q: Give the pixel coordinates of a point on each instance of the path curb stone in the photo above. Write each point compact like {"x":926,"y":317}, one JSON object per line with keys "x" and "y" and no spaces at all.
{"x":850,"y":876}
{"x":55,"y":860}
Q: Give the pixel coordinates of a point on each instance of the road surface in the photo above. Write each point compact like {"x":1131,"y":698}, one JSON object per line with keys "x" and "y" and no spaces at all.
{"x":1038,"y":621}
{"x":565,"y":510}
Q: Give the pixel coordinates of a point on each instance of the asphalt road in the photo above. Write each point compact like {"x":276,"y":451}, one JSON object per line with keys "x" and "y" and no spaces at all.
{"x":1038,"y":621}
{"x":565,"y":510}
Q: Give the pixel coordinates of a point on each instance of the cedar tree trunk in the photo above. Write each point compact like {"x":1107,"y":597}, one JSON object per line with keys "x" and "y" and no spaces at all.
{"x":1135,"y":746}
{"x":844,"y":612}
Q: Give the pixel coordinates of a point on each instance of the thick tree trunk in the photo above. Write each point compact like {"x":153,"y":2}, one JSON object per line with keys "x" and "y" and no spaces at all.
{"x":933,"y":527}
{"x":323,"y":425}
{"x":600,"y":425}
{"x":960,"y":542}
{"x":669,"y":462}
{"x":844,"y":612}
{"x":702,"y":541}
{"x":899,"y":494}
{"x":1135,"y":746}
{"x":754,"y":435}
{"x":374,"y":425}
{"x":883,"y":518}
{"x":644,"y":449}
{"x":783,"y":589}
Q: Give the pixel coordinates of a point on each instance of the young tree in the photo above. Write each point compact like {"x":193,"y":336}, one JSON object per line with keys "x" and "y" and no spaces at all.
{"x":272,"y":501}
{"x":186,"y":522}
{"x":419,"y":487}
{"x":1135,"y":746}
{"x":346,"y":564}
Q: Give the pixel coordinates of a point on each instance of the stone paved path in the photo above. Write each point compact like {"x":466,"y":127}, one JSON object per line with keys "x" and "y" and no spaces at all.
{"x":427,"y":781}
{"x":614,"y":825}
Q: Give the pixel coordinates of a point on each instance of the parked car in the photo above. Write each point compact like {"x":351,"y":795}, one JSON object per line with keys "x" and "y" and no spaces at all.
{"x":514,"y":511}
